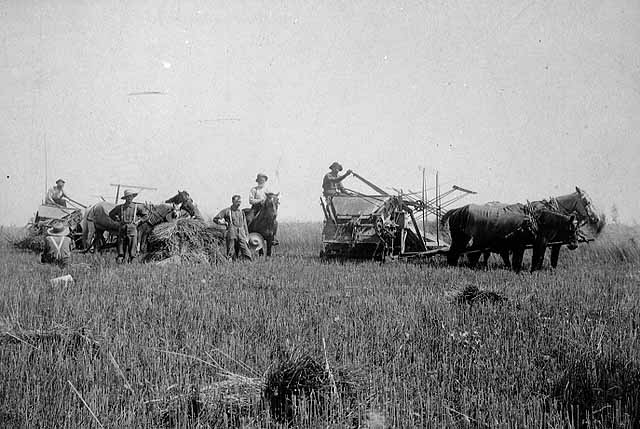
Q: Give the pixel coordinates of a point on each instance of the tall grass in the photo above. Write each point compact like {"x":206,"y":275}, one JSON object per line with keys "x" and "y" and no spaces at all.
{"x":562,"y":350}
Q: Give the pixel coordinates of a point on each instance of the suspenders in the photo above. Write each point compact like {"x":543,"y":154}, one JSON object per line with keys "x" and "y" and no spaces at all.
{"x":135,"y":212}
{"x":57,"y":245}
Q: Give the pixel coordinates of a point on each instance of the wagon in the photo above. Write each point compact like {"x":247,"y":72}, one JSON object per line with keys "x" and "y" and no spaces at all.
{"x":47,"y":215}
{"x":379,"y":225}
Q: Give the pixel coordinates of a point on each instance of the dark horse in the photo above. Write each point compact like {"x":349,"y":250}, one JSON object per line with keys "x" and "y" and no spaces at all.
{"x":96,"y":219}
{"x":503,"y":229}
{"x":265,"y":221}
{"x":577,"y":204}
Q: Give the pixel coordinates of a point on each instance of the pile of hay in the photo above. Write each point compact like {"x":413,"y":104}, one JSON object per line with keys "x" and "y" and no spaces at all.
{"x":296,"y":387}
{"x":188,"y":239}
{"x":32,"y":240}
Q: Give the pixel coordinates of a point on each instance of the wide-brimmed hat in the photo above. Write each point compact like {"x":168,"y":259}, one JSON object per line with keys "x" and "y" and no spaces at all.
{"x":262,"y":175}
{"x":58,"y":229}
{"x":129,"y":193}
{"x":255,"y":241}
{"x":60,"y":181}
{"x":335,"y":165}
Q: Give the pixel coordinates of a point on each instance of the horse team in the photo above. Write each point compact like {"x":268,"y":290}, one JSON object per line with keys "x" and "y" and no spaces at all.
{"x":508,"y":229}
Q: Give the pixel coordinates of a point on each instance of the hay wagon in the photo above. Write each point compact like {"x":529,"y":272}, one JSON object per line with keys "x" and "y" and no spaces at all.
{"x":47,"y":215}
{"x":379,"y":225}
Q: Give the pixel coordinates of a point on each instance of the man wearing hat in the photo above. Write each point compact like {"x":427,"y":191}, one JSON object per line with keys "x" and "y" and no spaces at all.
{"x":55,"y":195}
{"x":57,"y":245}
{"x":236,"y":237}
{"x":257,"y":197}
{"x":130,"y":215}
{"x":332,"y":182}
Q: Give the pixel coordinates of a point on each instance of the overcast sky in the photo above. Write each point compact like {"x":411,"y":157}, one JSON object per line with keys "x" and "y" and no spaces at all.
{"x":516,"y":100}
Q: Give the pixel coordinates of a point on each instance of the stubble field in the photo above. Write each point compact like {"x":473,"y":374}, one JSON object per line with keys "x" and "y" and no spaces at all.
{"x":561,"y":351}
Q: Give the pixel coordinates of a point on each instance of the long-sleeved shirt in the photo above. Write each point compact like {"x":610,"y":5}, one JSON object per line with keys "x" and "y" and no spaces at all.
{"x":332,"y":183}
{"x":257,"y":195}
{"x":129,"y":213}
{"x":236,"y":222}
{"x":54,"y":196}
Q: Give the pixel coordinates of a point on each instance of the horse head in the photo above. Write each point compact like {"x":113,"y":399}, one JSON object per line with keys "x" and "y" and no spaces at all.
{"x":586,"y":210}
{"x":183,"y":198}
{"x":272,"y":202}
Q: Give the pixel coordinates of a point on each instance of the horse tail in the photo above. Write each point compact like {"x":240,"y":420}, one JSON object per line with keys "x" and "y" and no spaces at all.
{"x":453,"y":214}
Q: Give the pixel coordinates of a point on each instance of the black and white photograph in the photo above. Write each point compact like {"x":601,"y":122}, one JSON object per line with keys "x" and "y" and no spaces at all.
{"x":320,"y":214}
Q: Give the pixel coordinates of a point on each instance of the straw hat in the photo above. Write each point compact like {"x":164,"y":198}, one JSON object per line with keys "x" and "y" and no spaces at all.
{"x":336,"y":165}
{"x":262,"y":175}
{"x":255,"y":241}
{"x":58,"y":229}
{"x":128,"y":193}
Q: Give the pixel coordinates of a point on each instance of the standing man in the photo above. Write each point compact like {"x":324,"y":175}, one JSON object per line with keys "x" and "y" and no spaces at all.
{"x":332,"y":182}
{"x":130,"y":215}
{"x":233,"y":217}
{"x":57,"y":246}
{"x":56,"y":196}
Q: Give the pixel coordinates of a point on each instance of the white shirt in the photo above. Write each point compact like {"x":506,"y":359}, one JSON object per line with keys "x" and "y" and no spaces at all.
{"x":258,"y":194}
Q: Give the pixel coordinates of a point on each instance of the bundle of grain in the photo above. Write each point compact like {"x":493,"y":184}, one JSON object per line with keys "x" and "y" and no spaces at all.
{"x":471,"y":294}
{"x":296,"y":387}
{"x":297,"y":383}
{"x":191,"y":239}
{"x":32,"y":238}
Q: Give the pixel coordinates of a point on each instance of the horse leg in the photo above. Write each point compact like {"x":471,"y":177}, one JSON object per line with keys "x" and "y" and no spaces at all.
{"x":505,"y":258}
{"x":458,"y":243}
{"x":269,"y":247}
{"x":538,"y":255}
{"x":474,"y":258}
{"x":555,"y":253}
{"x":516,"y":262}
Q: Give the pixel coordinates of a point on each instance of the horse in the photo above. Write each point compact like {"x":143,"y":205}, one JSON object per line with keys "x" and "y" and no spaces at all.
{"x":578,"y":204}
{"x":265,"y":222}
{"x":504,"y":229}
{"x":183,"y":197}
{"x":101,"y":211}
{"x":97,"y":218}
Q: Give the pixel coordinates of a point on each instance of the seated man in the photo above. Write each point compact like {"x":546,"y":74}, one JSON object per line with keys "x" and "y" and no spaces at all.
{"x":57,"y":246}
{"x":332,"y":182}
{"x":55,"y":195}
{"x":257,"y":197}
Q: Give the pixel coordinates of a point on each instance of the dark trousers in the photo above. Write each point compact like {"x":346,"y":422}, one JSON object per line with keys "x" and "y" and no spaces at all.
{"x":236,"y":247}
{"x":128,"y":242}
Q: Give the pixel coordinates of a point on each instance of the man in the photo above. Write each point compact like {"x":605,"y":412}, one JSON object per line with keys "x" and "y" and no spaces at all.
{"x":257,"y":196}
{"x":129,"y":215}
{"x":56,"y":196}
{"x":57,"y":246}
{"x":236,"y":238}
{"x":332,"y":182}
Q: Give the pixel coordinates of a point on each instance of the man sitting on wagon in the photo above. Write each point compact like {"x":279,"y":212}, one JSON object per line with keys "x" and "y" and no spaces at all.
{"x":56,"y":196}
{"x":332,"y":182}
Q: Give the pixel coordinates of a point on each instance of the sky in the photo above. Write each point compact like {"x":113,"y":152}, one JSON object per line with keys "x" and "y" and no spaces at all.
{"x":515,"y":100}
